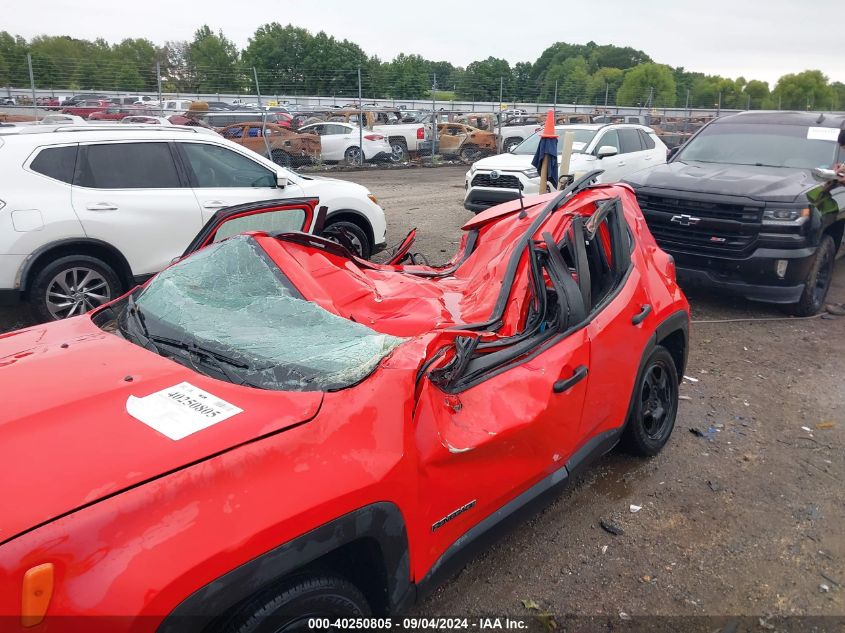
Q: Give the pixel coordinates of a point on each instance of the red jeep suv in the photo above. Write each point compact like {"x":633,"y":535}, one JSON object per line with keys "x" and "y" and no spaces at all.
{"x":273,"y":430}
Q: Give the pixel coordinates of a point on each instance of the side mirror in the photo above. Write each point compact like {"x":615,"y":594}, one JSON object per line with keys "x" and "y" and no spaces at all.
{"x":671,"y":153}
{"x":820,"y":173}
{"x":605,"y":151}
{"x":281,"y":181}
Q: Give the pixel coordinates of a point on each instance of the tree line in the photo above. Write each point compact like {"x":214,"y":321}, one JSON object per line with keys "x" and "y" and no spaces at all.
{"x":292,"y":61}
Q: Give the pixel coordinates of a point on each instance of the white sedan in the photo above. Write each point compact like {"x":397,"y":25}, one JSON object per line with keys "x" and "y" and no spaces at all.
{"x":343,"y":142}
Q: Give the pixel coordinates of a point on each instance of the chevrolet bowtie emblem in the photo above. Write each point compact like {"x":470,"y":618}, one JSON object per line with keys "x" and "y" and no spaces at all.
{"x":685,"y":220}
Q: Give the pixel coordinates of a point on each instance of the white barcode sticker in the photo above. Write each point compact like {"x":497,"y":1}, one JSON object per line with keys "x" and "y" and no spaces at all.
{"x":823,"y":133}
{"x":180,"y":410}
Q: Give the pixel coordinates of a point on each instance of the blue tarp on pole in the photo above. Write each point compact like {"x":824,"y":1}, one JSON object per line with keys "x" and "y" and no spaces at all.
{"x":547,"y":146}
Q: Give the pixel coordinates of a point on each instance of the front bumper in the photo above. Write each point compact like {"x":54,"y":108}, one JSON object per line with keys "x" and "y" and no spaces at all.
{"x":755,"y":277}
{"x":480,"y":198}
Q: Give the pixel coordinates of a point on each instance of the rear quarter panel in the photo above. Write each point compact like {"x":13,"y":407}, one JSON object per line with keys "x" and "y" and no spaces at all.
{"x":51,"y":201}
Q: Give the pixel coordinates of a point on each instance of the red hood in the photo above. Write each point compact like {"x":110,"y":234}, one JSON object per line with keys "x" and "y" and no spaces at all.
{"x":65,"y":390}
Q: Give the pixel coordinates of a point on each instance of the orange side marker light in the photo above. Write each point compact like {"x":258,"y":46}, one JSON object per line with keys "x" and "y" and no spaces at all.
{"x":37,"y":591}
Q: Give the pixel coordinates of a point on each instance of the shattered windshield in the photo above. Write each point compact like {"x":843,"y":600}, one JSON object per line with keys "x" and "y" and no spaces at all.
{"x":228,"y":311}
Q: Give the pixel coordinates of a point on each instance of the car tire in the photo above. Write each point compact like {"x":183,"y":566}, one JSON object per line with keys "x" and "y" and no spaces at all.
{"x":281,"y":158}
{"x":817,"y":283}
{"x":288,"y":607}
{"x":86,"y":281}
{"x":360,"y":242}
{"x":398,"y":151}
{"x":470,"y":153}
{"x":352,"y":156}
{"x":654,"y":406}
{"x":510,"y":144}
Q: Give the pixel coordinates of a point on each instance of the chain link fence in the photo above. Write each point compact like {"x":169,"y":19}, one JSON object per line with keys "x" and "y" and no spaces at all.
{"x":344,"y":117}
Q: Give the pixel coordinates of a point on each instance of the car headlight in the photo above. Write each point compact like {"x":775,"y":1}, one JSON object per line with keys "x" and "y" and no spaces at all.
{"x":531,"y":173}
{"x":786,"y":215}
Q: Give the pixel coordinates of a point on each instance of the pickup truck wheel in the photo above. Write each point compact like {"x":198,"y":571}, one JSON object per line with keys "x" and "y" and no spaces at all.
{"x":655,"y":405}
{"x":343,"y":232}
{"x":281,"y":158}
{"x":398,"y":151}
{"x":353,"y":156}
{"x":818,"y":280}
{"x":70,"y":286}
{"x":510,"y":144}
{"x":288,"y":607}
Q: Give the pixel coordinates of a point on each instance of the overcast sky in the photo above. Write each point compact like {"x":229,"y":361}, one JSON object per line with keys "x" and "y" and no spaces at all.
{"x":761,"y":39}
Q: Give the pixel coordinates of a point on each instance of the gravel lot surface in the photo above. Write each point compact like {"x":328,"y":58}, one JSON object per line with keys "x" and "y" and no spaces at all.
{"x":747,"y":520}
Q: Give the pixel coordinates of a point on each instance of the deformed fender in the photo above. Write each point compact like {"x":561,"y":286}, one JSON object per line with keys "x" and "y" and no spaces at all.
{"x":381,"y":522}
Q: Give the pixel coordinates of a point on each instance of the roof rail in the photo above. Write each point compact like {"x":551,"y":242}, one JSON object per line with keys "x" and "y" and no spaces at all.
{"x":120,"y":126}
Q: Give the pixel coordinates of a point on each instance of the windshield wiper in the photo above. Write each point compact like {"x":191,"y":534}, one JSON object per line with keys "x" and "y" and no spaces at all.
{"x":215,"y":359}
{"x":133,"y":311}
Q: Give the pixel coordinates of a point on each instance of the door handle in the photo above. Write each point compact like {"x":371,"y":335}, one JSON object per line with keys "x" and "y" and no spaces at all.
{"x":214,"y":204}
{"x":621,"y":163}
{"x":578,"y":375}
{"x":640,"y":317}
{"x":102,"y":206}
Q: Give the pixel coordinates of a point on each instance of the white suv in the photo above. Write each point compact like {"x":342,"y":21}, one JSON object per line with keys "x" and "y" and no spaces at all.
{"x":618,"y":149}
{"x":92,"y":210}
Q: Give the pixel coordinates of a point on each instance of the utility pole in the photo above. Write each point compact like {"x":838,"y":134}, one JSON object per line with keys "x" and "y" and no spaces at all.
{"x":158,"y":82}
{"x":719,"y":104}
{"x":32,"y":85}
{"x":433,"y":114}
{"x":257,"y":88}
{"x":501,"y":117}
{"x":748,"y":105}
{"x":360,"y":118}
{"x":606,"y":93}
{"x":263,"y":115}
{"x":554,"y":106}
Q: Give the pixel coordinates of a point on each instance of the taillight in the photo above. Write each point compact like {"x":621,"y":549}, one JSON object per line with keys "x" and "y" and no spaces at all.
{"x":420,"y":133}
{"x":374,"y":137}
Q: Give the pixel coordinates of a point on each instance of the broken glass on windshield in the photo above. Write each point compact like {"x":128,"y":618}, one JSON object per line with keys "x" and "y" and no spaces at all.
{"x":229,"y":309}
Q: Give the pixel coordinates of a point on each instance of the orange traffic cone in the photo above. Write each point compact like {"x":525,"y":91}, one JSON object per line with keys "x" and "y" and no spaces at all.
{"x":549,"y":129}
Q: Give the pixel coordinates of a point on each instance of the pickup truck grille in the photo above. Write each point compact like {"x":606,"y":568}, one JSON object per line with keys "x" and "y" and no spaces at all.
{"x":502,"y":182}
{"x":701,"y":226}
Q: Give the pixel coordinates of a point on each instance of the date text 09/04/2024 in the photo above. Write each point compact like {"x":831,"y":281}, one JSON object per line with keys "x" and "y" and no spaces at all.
{"x":418,"y":623}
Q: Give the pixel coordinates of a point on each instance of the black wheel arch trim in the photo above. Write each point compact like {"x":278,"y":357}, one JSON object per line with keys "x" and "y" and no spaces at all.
{"x":124,"y":274}
{"x":381,"y":522}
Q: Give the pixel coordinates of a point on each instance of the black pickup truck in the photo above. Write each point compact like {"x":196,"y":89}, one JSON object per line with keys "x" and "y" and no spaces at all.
{"x":739,"y":209}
